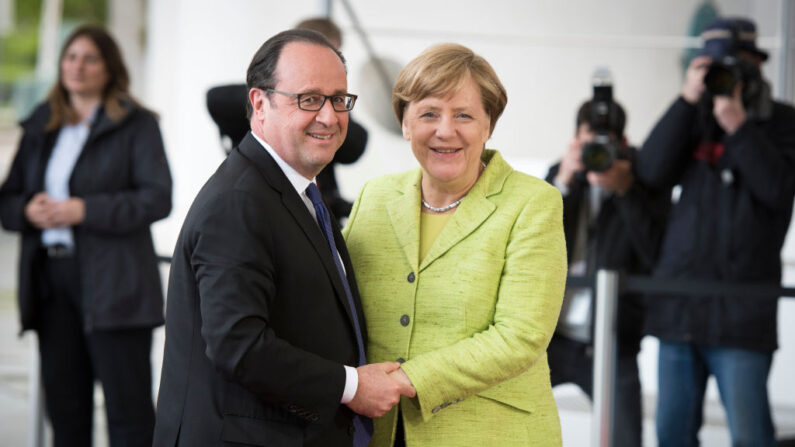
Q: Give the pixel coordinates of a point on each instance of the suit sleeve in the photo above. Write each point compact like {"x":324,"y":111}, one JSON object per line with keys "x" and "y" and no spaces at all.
{"x":236,"y":273}
{"x":148,"y":198}
{"x":528,"y":303}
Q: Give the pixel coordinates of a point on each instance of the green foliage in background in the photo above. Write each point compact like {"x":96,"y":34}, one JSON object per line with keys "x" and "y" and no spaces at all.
{"x":18,"y":48}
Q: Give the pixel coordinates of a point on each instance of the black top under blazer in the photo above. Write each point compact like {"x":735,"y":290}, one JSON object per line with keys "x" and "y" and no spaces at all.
{"x":257,"y":325}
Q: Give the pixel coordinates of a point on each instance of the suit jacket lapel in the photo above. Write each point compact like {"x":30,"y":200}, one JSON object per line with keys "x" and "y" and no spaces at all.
{"x":404,"y":214}
{"x":252,"y":150}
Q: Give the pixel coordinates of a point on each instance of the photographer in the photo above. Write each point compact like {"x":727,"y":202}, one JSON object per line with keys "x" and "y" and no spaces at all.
{"x":731,"y":148}
{"x":610,"y":221}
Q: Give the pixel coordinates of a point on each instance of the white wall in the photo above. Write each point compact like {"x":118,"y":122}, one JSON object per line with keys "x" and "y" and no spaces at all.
{"x":544,"y":52}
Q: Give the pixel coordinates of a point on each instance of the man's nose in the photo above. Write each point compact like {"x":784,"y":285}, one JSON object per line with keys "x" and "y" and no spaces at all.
{"x":327,"y":115}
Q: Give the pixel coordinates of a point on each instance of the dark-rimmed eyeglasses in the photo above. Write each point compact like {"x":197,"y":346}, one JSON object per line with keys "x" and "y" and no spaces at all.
{"x":312,"y":102}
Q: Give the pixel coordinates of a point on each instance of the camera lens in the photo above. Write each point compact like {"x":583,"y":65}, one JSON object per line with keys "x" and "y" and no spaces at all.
{"x":597,"y":156}
{"x":720,"y":79}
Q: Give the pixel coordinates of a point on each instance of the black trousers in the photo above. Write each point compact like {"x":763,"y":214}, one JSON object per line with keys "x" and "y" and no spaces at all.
{"x":572,"y":362}
{"x":72,"y":360}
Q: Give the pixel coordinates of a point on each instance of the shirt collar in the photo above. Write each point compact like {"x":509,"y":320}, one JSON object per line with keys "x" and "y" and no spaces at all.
{"x":299,"y":182}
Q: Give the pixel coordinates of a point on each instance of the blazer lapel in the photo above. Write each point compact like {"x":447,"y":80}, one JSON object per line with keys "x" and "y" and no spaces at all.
{"x":252,"y":150}
{"x":474,"y":209}
{"x":404,"y":214}
{"x":469,"y":216}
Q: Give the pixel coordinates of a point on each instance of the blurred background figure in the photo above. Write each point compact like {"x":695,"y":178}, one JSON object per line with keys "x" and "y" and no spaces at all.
{"x":610,"y":222}
{"x":89,"y":177}
{"x":731,"y":148}
{"x":227,"y":106}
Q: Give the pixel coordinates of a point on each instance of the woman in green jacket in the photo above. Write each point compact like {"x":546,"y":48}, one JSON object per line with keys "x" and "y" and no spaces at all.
{"x":461,"y":266}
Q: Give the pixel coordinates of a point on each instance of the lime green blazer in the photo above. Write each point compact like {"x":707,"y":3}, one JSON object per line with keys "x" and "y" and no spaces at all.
{"x":472,"y":321}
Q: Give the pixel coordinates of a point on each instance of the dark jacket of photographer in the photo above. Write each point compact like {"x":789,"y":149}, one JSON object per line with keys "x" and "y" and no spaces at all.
{"x":729,"y":222}
{"x":624,"y":236}
{"x":123,"y":177}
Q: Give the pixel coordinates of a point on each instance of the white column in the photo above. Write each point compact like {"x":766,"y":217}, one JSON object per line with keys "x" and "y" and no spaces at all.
{"x":6,"y":16}
{"x":126,"y":21}
{"x":47,"y":57}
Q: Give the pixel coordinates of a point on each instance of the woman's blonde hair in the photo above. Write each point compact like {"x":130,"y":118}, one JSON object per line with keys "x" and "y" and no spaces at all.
{"x":116,"y":91}
{"x":442,"y":70}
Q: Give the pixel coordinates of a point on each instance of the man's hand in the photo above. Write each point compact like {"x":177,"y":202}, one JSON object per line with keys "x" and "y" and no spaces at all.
{"x":378,"y":391}
{"x":694,"y":79}
{"x":729,"y":111}
{"x":617,"y":179}
{"x":570,"y":164}
{"x":400,"y":376}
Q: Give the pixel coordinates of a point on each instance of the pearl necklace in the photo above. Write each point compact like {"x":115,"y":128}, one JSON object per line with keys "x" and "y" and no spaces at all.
{"x":452,"y":205}
{"x":444,"y":208}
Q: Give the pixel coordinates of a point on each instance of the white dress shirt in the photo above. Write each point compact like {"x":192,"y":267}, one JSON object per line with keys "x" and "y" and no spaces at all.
{"x":65,"y":153}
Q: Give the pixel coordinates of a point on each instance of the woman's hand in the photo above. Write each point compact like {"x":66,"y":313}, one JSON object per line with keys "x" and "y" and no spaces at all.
{"x":38,"y":211}
{"x":69,"y":212}
{"x":45,"y":213}
{"x":379,"y":390}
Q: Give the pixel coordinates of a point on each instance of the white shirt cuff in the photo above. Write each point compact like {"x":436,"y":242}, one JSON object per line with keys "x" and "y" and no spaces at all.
{"x":351,"y":384}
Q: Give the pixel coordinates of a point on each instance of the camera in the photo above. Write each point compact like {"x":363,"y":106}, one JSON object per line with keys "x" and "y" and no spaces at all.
{"x":724,"y":73}
{"x":599,"y":154}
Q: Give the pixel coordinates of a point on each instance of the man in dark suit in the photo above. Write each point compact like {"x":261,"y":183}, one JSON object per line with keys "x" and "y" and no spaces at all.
{"x":227,"y":107}
{"x":264,"y":325}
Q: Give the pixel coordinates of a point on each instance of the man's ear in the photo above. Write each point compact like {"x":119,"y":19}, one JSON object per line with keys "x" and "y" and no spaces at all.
{"x":256,"y":97}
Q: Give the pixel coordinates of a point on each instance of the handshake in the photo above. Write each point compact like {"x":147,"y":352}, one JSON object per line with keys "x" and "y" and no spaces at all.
{"x":380,"y":387}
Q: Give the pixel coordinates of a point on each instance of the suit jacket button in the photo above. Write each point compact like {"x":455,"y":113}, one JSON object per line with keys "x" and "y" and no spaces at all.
{"x":351,"y":429}
{"x":401,"y":360}
{"x":404,"y":320}
{"x":411,"y":277}
{"x":436,"y":409}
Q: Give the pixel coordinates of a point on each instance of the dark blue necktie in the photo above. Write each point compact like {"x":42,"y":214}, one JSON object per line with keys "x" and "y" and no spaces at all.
{"x":364,"y":425}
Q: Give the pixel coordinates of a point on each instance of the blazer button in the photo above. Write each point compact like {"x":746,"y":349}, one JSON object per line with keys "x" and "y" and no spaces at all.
{"x":404,"y":320}
{"x":401,"y":360}
{"x":411,"y":277}
{"x":351,"y":429}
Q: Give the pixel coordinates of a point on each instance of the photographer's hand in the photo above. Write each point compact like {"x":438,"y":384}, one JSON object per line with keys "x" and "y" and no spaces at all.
{"x":617,"y":179}
{"x":694,"y":79}
{"x":570,"y":164}
{"x":729,"y":111}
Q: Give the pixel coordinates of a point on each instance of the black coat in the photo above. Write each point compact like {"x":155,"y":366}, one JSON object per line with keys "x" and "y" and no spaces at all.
{"x":258,"y":327}
{"x":625,"y":237}
{"x":728,"y":224}
{"x":123,"y":177}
